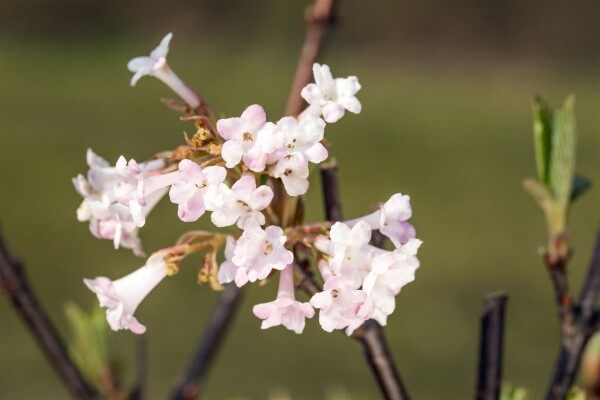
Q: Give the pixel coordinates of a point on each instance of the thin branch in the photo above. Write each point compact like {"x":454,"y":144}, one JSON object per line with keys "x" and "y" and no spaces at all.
{"x":320,"y":16}
{"x":331,"y":194}
{"x":591,"y":286}
{"x":372,"y":341}
{"x":13,"y":283}
{"x":491,"y":345}
{"x":211,"y":339}
{"x":578,"y":324}
{"x":370,"y":334}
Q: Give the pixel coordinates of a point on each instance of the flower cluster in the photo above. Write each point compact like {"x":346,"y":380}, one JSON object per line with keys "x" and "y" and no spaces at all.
{"x":247,"y":172}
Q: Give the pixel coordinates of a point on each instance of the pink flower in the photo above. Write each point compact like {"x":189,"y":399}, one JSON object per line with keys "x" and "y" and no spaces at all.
{"x":256,"y":253}
{"x":241,"y":203}
{"x":391,"y":219}
{"x":123,"y":296}
{"x":341,"y":306}
{"x":249,"y":137}
{"x":108,"y":218}
{"x":156,"y":65}
{"x":331,"y":97}
{"x":285,"y":309}
{"x":191,"y":188}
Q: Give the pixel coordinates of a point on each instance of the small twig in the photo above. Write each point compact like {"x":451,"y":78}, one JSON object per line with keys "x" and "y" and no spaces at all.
{"x":211,"y":339}
{"x":370,"y":334}
{"x":490,"y":348}
{"x":13,"y":283}
{"x":578,"y":324}
{"x":319,"y":18}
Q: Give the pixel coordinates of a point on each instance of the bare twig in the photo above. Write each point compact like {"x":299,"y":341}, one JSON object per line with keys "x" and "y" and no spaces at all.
{"x":490,"y":349}
{"x":13,"y":283}
{"x":370,"y":334}
{"x":319,"y":18}
{"x":210,"y":342}
{"x":578,"y":324}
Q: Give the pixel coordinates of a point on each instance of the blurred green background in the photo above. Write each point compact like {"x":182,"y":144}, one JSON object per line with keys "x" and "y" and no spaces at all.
{"x":446,"y":118}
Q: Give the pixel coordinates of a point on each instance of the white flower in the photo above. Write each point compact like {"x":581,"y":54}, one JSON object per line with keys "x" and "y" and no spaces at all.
{"x":331,"y":97}
{"x":241,"y":203}
{"x":190,"y":190}
{"x":250,"y":137}
{"x":285,"y":309}
{"x":293,"y":171}
{"x":123,"y":296}
{"x":350,"y":251}
{"x":137,"y":183}
{"x":256,"y":253}
{"x":304,"y":137}
{"x":108,"y":218}
{"x":391,"y":219}
{"x":156,"y":65}
{"x":390,"y":272}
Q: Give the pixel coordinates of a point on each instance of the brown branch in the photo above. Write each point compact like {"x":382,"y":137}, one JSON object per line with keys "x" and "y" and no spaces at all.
{"x":490,"y":348}
{"x":331,"y":193}
{"x":578,"y":324}
{"x":320,"y":16}
{"x":13,"y":283}
{"x":191,"y":385}
{"x":370,"y":333}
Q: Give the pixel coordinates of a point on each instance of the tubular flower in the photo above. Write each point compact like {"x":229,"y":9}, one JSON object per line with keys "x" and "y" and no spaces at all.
{"x":249,"y":137}
{"x":156,"y":65}
{"x":123,"y":296}
{"x":190,"y":190}
{"x":330,"y":97}
{"x":285,"y":309}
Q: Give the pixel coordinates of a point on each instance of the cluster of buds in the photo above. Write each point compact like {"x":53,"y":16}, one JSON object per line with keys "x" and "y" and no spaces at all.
{"x":249,"y":173}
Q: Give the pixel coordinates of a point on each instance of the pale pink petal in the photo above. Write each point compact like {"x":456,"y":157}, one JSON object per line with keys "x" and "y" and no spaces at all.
{"x":332,"y":112}
{"x":230,"y":128}
{"x":261,"y":198}
{"x":254,"y":118}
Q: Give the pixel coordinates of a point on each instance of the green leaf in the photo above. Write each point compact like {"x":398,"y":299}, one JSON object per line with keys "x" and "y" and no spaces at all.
{"x":87,"y":344}
{"x":542,"y":137}
{"x":580,"y":185}
{"x":562,"y":157}
{"x":511,"y":392}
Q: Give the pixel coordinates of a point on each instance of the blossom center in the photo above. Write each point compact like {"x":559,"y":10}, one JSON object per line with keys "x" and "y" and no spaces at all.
{"x":247,"y":137}
{"x":268,"y":248}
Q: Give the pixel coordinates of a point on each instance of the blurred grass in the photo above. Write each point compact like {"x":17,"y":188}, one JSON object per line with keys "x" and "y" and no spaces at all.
{"x":455,"y":136}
